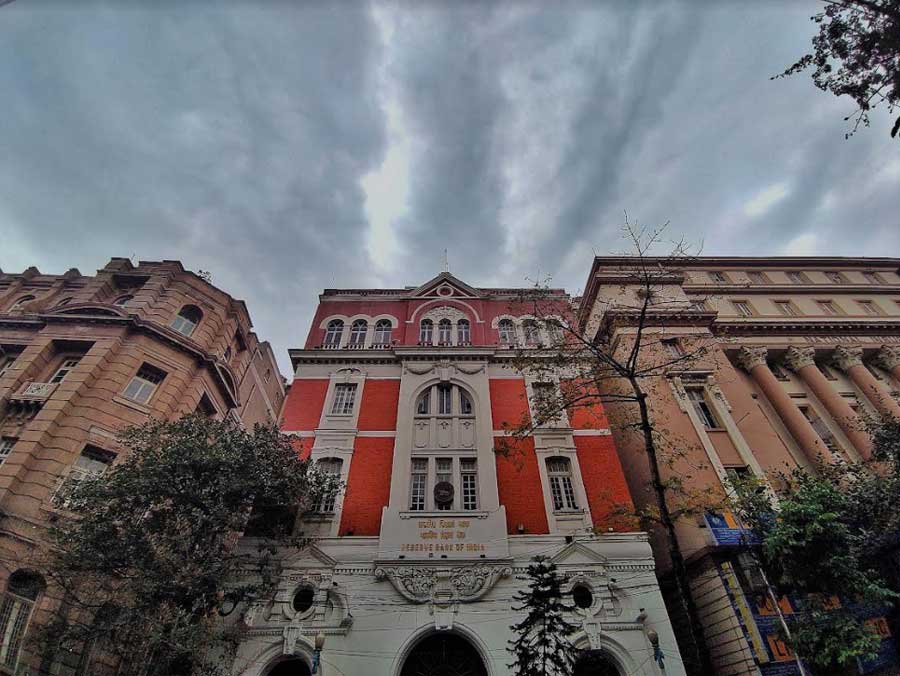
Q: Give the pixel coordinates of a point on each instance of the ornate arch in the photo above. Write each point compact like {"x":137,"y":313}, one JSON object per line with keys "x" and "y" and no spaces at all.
{"x":448,"y":302}
{"x":459,"y":629}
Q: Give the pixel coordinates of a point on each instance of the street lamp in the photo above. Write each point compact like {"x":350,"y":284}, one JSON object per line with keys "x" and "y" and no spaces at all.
{"x":319,"y":644}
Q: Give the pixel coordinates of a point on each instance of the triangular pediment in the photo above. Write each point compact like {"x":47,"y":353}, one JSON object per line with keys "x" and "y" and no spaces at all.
{"x":576,"y":553}
{"x":309,"y":557}
{"x":445,"y":285}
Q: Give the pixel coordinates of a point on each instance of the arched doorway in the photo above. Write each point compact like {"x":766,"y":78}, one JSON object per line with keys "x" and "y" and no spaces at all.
{"x":443,"y":655}
{"x":595,"y":663}
{"x":290,"y":667}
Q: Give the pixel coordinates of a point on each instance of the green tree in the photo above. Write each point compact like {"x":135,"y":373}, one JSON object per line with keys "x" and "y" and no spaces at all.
{"x":857,"y":53}
{"x":542,"y":646}
{"x":149,"y":563}
{"x":831,"y":535}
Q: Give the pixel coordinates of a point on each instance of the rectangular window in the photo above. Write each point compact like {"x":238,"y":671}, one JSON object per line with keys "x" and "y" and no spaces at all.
{"x":786,"y":308}
{"x":827,"y":307}
{"x":6,"y":446}
{"x":819,"y":427}
{"x":559,"y":471}
{"x":418,"y":480}
{"x":91,"y":464}
{"x":742,"y":307}
{"x":445,"y":399}
{"x":835,"y":277}
{"x":443,"y":473}
{"x":344,"y":398}
{"x":718,"y":277}
{"x":702,"y":408}
{"x":796,"y":277}
{"x":144,"y":384}
{"x":468,"y":470}
{"x":331,"y":467}
{"x":65,"y":368}
{"x":673,"y":347}
{"x":6,"y":362}
{"x":869,"y":307}
{"x":756,"y":277}
{"x":738,"y":473}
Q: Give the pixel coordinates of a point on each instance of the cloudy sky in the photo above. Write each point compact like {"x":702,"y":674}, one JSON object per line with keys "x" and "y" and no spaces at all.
{"x":287,"y":147}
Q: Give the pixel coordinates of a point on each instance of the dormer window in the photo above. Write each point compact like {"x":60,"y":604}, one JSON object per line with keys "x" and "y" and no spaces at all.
{"x":21,"y":302}
{"x":122,"y":301}
{"x":187,"y":320}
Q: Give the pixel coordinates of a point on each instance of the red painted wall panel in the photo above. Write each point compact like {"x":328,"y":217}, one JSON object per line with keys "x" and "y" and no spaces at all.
{"x":303,"y":406}
{"x":378,"y":409}
{"x":519,"y":487}
{"x":509,"y":402}
{"x":604,"y":483}
{"x":368,"y":486}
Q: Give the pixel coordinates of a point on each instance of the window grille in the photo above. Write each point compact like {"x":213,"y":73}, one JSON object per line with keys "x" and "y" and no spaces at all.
{"x":15,"y":612}
{"x":383,"y":332}
{"x":742,"y":307}
{"x":344,"y":398}
{"x":444,"y":331}
{"x":786,"y":308}
{"x":426,"y":332}
{"x":560,"y":473}
{"x":358,"y":333}
{"x":6,"y":446}
{"x":828,"y":307}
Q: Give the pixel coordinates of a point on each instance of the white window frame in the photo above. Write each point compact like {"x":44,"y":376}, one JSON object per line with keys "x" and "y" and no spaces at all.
{"x":6,"y":362}
{"x":427,"y":469}
{"x":143,"y":386}
{"x":84,"y":468}
{"x":358,"y":330}
{"x":742,"y":307}
{"x":332,"y":466}
{"x":870,"y":309}
{"x":506,"y":329}
{"x":185,"y":325}
{"x":19,"y":303}
{"x":15,"y":616}
{"x":445,"y":332}
{"x":828,"y":307}
{"x":697,"y":398}
{"x":384,"y":332}
{"x":718,"y":277}
{"x":531,"y":333}
{"x":795,"y":277}
{"x":426,"y":332}
{"x":418,"y":484}
{"x":334,"y":333}
{"x":561,"y":479}
{"x":463,"y":332}
{"x":344,"y":400}
{"x":786,"y":308}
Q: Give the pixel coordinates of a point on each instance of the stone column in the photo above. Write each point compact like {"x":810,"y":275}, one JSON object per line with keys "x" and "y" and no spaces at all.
{"x":888,"y":358}
{"x":801,"y":360}
{"x":753,"y":360}
{"x":849,"y":360}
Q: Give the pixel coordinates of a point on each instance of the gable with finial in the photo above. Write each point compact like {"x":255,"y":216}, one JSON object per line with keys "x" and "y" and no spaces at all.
{"x":445,"y":285}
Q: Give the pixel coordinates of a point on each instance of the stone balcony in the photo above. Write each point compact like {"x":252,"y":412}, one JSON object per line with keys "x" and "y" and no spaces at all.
{"x":32,"y":395}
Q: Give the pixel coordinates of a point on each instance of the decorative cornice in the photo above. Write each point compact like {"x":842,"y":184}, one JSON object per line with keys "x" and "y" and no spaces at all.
{"x":443,"y":585}
{"x":749,"y":358}
{"x":800,"y":327}
{"x":888,"y":357}
{"x":846,"y":357}
{"x":796,"y":358}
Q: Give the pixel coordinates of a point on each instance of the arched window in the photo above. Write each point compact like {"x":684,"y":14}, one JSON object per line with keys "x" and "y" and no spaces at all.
{"x":122,"y":301}
{"x":383,"y":332}
{"x":187,"y":319}
{"x":445,"y":328}
{"x":465,"y":403}
{"x":554,"y":331}
{"x":22,"y":591}
{"x":331,"y":467}
{"x":463,"y":332}
{"x":507,"y":331}
{"x":423,"y":406}
{"x":358,"y":333}
{"x":333,"y":334}
{"x":532,"y":334}
{"x":445,"y":399}
{"x":426,"y":331}
{"x":559,"y":471}
{"x":22,"y":301}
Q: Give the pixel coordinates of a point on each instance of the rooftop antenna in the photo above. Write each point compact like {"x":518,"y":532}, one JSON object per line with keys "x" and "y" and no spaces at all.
{"x":446,"y":262}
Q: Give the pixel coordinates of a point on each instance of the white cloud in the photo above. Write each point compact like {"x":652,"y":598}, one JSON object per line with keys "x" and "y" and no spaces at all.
{"x":766,"y":199}
{"x":806,"y":244}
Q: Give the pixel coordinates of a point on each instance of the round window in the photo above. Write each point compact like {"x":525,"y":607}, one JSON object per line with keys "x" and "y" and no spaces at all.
{"x":582,"y":596}
{"x":303,"y":599}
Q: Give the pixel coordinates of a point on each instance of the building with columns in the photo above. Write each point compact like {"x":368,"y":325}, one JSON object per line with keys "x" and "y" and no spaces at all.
{"x":792,"y":355}
{"x":83,"y":356}
{"x":405,"y":394}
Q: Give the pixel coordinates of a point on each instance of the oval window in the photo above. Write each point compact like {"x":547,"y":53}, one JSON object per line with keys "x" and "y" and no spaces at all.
{"x":582,"y":596}
{"x":303,"y":599}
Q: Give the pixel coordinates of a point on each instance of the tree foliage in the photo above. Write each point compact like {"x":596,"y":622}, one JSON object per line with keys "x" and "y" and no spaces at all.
{"x":857,"y":53}
{"x":149,"y":560}
{"x":542,"y":646}
{"x":832,"y":535}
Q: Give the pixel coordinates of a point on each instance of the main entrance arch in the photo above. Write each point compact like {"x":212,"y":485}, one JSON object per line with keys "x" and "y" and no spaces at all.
{"x":290,"y":667}
{"x":443,"y":655}
{"x":595,"y":663}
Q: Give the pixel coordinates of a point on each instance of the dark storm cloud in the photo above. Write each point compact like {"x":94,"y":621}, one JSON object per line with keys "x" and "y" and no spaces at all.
{"x":239,"y":138}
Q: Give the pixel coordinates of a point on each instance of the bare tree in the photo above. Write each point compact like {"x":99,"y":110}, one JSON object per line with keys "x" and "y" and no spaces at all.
{"x":614,"y":354}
